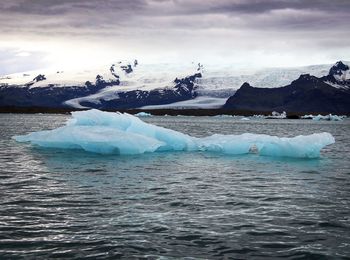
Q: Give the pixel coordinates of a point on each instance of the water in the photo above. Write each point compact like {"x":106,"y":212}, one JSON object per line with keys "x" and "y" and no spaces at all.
{"x":72,"y":204}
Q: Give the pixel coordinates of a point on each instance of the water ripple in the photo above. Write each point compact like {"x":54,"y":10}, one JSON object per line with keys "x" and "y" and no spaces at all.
{"x":71,"y":204}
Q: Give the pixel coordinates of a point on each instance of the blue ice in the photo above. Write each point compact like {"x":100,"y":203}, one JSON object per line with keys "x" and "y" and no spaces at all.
{"x":143,"y":114}
{"x":116,"y":133}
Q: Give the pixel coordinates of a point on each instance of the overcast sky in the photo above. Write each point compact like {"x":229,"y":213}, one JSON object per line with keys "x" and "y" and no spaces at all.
{"x":263,"y":33}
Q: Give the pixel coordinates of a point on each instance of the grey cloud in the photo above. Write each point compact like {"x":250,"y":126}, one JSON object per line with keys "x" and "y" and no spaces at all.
{"x":121,"y":14}
{"x":54,"y":7}
{"x":261,"y":6}
{"x":174,"y":7}
{"x":199,"y":26}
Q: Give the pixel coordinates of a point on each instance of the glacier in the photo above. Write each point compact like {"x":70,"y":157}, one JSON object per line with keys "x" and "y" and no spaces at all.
{"x":121,"y":133}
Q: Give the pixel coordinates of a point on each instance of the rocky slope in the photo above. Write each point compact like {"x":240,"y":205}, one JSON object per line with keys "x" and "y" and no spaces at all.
{"x":119,"y":87}
{"x":132,"y":85}
{"x":330,"y":94}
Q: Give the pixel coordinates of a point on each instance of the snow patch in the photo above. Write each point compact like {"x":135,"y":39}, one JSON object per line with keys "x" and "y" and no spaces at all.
{"x":338,"y":86}
{"x":198,"y":102}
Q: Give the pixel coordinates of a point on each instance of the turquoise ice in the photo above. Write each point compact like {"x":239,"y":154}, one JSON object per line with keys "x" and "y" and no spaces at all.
{"x":120,"y":133}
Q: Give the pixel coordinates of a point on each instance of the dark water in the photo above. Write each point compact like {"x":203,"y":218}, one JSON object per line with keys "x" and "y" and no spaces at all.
{"x":70,"y":204}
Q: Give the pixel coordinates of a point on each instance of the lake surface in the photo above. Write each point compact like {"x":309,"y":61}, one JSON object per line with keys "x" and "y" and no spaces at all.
{"x":73,"y":204}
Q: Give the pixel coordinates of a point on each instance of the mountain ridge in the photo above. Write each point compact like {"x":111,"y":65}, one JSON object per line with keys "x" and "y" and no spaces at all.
{"x":330,"y":93}
{"x":126,"y":85}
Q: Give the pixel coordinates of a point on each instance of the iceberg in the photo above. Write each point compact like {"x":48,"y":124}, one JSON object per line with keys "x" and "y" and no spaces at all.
{"x":276,"y":115}
{"x":224,"y":116}
{"x":319,"y":117}
{"x":329,"y":117}
{"x":121,"y":133}
{"x":143,"y":114}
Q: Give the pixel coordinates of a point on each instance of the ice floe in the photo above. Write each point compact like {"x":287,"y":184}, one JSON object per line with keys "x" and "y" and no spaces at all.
{"x":329,"y":117}
{"x":117,"y":133}
{"x":143,"y":114}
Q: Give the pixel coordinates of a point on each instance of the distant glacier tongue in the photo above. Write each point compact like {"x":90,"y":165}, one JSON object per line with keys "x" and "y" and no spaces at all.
{"x":116,"y":133}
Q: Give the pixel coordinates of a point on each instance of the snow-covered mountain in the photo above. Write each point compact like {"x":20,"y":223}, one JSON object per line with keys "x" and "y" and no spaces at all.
{"x":132,"y":84}
{"x":228,"y":77}
{"x":339,"y":76}
{"x":120,"y":85}
{"x":308,"y":93}
{"x":131,"y":76}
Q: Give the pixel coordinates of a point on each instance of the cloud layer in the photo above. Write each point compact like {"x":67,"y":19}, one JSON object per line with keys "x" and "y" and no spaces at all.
{"x":271,"y":32}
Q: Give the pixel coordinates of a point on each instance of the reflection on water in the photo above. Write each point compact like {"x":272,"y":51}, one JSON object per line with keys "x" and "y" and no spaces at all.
{"x":71,"y":204}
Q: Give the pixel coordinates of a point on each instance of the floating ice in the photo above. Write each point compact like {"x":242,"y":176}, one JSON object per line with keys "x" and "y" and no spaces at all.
{"x":307,"y":117}
{"x":259,"y":116}
{"x":276,"y":115}
{"x":116,"y":133}
{"x":143,"y":114}
{"x":329,"y":117}
{"x":224,"y":116}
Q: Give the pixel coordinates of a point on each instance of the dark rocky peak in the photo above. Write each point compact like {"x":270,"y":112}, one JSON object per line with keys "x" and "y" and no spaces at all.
{"x":88,"y":84}
{"x":101,"y":82}
{"x":112,"y":70}
{"x":40,"y":77}
{"x":305,"y":78}
{"x":99,"y":79}
{"x":127,"y":68}
{"x":338,"y":68}
{"x":306,"y":81}
{"x":186,"y":86}
{"x":189,"y":79}
{"x":245,"y":85}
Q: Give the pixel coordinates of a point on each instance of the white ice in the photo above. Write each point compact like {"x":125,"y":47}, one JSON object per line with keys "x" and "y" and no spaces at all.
{"x":329,"y":117}
{"x":198,"y":102}
{"x":143,"y":114}
{"x":276,"y":115}
{"x":116,"y":133}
